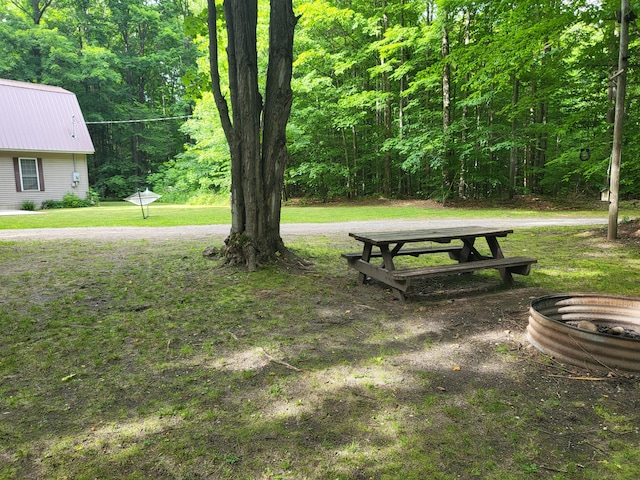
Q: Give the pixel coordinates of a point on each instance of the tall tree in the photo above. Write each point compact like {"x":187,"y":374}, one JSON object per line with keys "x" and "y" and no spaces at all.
{"x":369,"y":94}
{"x":621,"y":90}
{"x":255,"y":130}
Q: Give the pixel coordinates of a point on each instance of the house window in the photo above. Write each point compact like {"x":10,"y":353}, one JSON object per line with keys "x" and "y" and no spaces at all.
{"x":29,"y":175}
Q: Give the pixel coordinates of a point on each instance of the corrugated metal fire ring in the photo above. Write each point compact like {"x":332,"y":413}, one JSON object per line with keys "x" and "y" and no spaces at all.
{"x":549,"y":332}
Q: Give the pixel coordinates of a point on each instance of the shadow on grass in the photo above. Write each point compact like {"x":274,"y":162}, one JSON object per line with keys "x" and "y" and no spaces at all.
{"x":142,"y":360}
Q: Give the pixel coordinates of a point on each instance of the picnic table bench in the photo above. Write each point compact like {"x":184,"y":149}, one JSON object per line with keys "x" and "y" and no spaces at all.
{"x":389,"y":245}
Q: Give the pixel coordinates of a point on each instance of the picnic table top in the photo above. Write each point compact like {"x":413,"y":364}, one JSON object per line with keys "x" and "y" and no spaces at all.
{"x":430,"y":234}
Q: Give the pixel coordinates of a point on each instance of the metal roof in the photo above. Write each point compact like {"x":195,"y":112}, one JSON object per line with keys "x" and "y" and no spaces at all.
{"x":41,"y":118}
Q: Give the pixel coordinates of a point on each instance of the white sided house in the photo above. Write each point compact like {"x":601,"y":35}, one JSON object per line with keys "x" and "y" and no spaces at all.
{"x":44,"y":143}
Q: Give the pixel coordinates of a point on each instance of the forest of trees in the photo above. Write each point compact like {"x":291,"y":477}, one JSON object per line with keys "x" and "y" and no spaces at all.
{"x":401,"y":98}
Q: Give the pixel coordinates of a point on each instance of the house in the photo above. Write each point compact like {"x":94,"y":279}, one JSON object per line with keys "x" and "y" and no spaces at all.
{"x":44,"y":143}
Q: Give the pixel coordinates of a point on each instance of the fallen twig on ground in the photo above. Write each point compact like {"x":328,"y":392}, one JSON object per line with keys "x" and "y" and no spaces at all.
{"x":280,"y":362}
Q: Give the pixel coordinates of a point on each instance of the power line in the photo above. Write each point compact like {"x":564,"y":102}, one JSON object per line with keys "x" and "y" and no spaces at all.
{"x":111,"y":122}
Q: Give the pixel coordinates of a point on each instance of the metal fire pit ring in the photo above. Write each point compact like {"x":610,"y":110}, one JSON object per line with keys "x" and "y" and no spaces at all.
{"x":549,"y":332}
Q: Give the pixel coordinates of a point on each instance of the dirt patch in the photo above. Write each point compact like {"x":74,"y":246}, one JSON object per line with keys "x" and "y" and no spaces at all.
{"x":629,"y":232}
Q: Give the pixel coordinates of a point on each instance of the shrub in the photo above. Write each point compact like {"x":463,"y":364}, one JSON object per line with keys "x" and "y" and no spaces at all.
{"x":49,"y":204}
{"x":71,"y":200}
{"x":93,"y":197}
{"x":28,"y":205}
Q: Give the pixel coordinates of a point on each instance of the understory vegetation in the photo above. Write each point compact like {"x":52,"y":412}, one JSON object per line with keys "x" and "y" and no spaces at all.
{"x":141,"y":359}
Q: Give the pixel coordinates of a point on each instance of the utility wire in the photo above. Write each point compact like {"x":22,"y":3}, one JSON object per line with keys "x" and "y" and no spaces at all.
{"x":111,"y":122}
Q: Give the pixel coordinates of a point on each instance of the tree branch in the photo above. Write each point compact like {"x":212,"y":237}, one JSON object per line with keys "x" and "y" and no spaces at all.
{"x":221,"y":103}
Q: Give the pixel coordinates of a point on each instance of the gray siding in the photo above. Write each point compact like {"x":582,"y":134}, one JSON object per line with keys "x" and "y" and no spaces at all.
{"x":58,"y":175}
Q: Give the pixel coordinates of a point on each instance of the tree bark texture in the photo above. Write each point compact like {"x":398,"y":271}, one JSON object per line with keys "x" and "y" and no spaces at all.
{"x":616,"y":152}
{"x":256,"y":131}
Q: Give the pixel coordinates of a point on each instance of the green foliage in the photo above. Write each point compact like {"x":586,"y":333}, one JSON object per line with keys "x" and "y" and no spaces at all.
{"x":49,"y":204}
{"x":28,"y":205}
{"x":358,"y":65}
{"x":528,"y":82}
{"x":71,"y":200}
{"x":92,"y":197}
{"x":208,"y":198}
{"x":204,"y":166}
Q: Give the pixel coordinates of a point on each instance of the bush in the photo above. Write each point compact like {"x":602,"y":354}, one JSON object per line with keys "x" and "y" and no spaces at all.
{"x":71,"y":200}
{"x":28,"y":205}
{"x":50,"y":204}
{"x":93,"y":197}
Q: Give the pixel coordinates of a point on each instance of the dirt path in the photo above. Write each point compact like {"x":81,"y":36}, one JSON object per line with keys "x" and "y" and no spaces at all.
{"x":287,"y":230}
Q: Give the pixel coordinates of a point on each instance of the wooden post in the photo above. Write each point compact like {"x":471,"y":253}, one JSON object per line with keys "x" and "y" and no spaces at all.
{"x":616,"y":152}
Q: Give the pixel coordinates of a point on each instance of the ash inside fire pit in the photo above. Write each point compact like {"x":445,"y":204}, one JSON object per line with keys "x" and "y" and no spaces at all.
{"x":598,"y":332}
{"x":606,"y":329}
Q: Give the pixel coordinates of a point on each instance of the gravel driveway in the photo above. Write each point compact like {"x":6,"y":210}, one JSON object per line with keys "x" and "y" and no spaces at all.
{"x":287,"y":230}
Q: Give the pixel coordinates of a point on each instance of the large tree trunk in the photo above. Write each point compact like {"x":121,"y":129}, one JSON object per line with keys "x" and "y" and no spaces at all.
{"x":278,"y":99}
{"x":256,"y":137}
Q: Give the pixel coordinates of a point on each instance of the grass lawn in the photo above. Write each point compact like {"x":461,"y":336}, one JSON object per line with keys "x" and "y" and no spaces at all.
{"x":143,"y":360}
{"x":125,"y":214}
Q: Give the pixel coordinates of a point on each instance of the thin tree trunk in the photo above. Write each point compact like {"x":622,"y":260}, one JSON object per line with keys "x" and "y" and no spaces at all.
{"x":386,"y":113}
{"x":446,"y":107}
{"x":346,"y":162}
{"x":616,"y":153}
{"x":354,"y":148}
{"x":462,"y":181}
{"x":513,"y":158}
{"x":540,"y":157}
{"x":237,"y":198}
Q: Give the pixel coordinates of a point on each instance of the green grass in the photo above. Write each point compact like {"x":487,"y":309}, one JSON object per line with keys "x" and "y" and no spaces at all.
{"x":141,"y":359}
{"x":110,"y":214}
{"x":577,"y":259}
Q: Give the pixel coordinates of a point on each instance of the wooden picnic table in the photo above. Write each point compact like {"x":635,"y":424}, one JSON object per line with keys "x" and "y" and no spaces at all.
{"x":458,"y":242}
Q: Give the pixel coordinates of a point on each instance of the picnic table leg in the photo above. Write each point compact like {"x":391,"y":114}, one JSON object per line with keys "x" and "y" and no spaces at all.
{"x":469,"y":252}
{"x":494,"y":246}
{"x":366,"y":256}
{"x":387,"y":258}
{"x":399,"y":295}
{"x":496,"y":252}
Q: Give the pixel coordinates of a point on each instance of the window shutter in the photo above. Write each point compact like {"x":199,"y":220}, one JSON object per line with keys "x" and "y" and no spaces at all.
{"x":40,"y":175}
{"x":16,"y":172}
